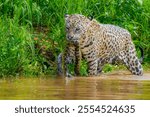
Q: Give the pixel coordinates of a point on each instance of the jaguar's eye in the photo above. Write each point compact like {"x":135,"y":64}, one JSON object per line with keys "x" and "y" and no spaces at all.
{"x":77,"y":29}
{"x":67,"y":28}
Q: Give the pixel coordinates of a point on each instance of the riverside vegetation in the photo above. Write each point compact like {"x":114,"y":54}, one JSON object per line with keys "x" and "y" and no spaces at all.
{"x":32,"y":31}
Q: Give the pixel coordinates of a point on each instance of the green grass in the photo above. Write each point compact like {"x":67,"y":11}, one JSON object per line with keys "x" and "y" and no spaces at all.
{"x":19,"y":21}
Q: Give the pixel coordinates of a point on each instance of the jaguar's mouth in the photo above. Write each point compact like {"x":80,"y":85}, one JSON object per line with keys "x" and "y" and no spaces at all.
{"x":74,"y":42}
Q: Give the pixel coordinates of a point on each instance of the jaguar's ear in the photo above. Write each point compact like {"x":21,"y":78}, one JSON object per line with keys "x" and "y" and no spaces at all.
{"x":66,"y":16}
{"x":90,"y":18}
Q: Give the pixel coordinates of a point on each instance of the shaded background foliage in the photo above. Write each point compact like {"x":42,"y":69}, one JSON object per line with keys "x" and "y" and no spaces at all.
{"x":32,"y":31}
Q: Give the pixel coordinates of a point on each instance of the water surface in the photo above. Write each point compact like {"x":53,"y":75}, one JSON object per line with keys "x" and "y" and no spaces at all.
{"x":119,"y":85}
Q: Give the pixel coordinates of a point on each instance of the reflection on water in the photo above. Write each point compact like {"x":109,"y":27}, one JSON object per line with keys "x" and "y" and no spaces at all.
{"x":110,"y":86}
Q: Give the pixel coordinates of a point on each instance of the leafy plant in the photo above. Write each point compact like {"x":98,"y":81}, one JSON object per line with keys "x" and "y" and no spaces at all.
{"x":19,"y":21}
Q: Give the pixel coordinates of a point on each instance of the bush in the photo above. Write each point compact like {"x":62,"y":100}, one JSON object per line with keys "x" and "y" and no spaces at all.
{"x":20,"y":19}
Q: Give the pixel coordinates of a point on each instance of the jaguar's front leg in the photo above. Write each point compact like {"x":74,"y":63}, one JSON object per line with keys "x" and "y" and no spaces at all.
{"x":69,"y":58}
{"x":92,"y":63}
{"x":92,"y":67}
{"x":66,"y":70}
{"x":90,"y":54}
{"x":77,"y":60}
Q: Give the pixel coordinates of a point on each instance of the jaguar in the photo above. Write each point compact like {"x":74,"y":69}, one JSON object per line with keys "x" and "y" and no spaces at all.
{"x":98,"y":44}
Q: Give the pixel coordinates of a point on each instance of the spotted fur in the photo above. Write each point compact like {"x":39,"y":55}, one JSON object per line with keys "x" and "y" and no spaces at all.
{"x":100,"y":44}
{"x":69,"y":57}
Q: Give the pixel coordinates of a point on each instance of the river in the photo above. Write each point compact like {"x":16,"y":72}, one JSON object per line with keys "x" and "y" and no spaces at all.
{"x":117,"y":85}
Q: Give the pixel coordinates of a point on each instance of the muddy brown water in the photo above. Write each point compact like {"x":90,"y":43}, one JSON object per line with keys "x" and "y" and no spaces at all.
{"x":119,"y":85}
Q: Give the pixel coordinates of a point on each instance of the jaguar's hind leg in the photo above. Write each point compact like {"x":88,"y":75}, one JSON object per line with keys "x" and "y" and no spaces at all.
{"x":113,"y":60}
{"x":131,"y":61}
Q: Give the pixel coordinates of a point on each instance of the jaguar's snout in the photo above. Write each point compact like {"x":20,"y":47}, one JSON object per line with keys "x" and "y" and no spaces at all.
{"x":69,"y":37}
